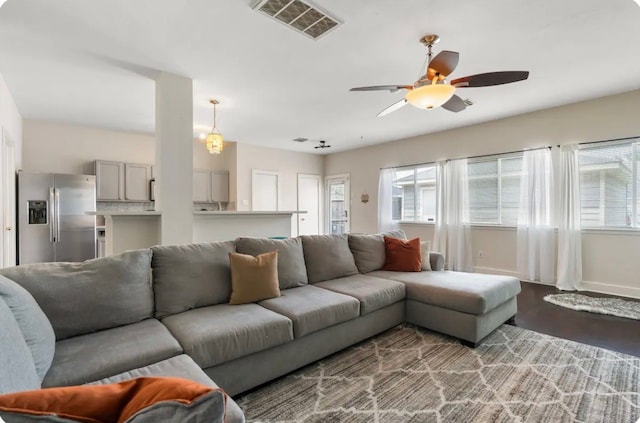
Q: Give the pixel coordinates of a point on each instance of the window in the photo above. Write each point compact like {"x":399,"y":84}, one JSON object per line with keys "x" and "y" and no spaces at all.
{"x":414,"y":194}
{"x":609,"y":185}
{"x":494,"y":190}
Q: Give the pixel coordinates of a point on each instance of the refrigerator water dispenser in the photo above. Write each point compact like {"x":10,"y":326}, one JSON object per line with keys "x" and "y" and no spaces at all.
{"x":37,"y":212}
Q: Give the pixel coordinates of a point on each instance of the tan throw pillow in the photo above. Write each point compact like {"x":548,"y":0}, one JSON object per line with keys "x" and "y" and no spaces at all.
{"x":253,"y":278}
{"x":425,"y":246}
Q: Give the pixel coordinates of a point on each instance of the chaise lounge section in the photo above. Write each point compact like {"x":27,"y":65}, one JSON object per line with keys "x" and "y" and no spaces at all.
{"x":165,"y":312}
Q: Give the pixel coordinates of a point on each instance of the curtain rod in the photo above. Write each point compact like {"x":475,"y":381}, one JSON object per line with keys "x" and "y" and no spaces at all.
{"x":601,"y":141}
{"x":471,"y":157}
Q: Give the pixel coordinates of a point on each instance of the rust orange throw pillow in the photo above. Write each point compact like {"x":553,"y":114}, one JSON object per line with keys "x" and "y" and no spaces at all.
{"x":114,"y":403}
{"x":402,"y":256}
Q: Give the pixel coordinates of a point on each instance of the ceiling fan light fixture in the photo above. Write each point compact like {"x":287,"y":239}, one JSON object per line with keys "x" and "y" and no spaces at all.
{"x":430,"y":96}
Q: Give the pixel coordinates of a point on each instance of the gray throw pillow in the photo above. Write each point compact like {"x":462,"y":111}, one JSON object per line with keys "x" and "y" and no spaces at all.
{"x":191,"y":276}
{"x":291,"y":268}
{"x":327,"y":257}
{"x":34,"y":325}
{"x":369,"y":250}
{"x":85,"y":297}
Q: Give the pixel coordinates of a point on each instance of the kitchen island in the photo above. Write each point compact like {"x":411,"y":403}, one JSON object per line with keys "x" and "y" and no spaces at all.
{"x":129,"y":230}
{"x":134,"y":230}
{"x":226,"y":225}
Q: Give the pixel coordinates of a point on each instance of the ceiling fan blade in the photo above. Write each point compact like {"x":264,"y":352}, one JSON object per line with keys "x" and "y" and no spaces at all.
{"x":392,"y":88}
{"x":490,"y":79}
{"x":444,"y":64}
{"x":455,"y":104}
{"x":392,"y":108}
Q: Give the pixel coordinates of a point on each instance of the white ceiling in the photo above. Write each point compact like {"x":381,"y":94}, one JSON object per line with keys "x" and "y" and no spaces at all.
{"x":92,"y":62}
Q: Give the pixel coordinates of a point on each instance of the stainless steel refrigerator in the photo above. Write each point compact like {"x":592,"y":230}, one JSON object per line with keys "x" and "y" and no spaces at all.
{"x":53,"y":224}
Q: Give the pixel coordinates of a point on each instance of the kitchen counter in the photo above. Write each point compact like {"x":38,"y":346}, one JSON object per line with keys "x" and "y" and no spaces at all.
{"x":125,"y":213}
{"x":245,"y":213}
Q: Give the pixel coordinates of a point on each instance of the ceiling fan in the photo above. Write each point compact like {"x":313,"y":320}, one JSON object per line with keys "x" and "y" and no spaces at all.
{"x":433,"y":90}
{"x":322,"y":144}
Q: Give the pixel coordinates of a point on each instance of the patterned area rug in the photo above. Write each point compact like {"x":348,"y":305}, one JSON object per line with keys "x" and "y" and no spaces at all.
{"x":409,"y":374}
{"x":611,"y":306}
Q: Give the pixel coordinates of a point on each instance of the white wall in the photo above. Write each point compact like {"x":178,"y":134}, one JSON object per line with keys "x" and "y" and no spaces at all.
{"x":610,"y":258}
{"x":62,"y":148}
{"x":288,"y":163}
{"x":11,"y":120}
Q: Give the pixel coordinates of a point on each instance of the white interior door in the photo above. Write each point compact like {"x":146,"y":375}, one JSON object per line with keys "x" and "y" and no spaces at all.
{"x":309,"y":200}
{"x":265,"y":190}
{"x":8,"y":196}
{"x":338,"y":204}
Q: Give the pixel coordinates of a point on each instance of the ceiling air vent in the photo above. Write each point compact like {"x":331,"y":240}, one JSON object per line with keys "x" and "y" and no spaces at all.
{"x":299,"y":15}
{"x":301,"y":139}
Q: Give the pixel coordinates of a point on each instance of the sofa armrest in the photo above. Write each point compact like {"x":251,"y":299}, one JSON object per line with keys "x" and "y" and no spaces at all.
{"x":436,"y":260}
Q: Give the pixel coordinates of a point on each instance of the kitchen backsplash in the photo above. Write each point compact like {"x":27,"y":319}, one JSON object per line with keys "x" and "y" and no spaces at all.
{"x":212,"y":206}
{"x":122,"y":206}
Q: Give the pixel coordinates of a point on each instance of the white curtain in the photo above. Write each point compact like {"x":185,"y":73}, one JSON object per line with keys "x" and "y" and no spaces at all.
{"x":569,"y":236}
{"x":457,"y":216}
{"x":440,"y":233}
{"x":385,"y":201}
{"x":535,"y":229}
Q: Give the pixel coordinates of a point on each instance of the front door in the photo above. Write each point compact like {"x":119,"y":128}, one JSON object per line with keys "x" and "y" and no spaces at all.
{"x":338,"y":204}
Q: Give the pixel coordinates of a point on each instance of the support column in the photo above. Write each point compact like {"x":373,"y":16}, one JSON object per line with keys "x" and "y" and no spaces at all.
{"x":174,"y":158}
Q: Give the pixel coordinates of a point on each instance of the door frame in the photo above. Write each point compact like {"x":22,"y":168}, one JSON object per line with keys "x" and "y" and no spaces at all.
{"x":8,"y":200}
{"x":318,"y":179}
{"x":278,"y":175}
{"x":327,"y":206}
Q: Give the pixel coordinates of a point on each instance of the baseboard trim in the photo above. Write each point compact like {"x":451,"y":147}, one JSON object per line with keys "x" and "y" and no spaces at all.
{"x":599,"y":287}
{"x":492,"y":271}
{"x":611,"y":289}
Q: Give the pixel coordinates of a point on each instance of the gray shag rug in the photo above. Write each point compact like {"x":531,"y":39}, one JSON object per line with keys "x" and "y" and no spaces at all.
{"x":610,"y":306}
{"x":409,"y":374}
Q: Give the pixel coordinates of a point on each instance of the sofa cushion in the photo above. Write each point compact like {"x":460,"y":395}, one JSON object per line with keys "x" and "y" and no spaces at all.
{"x":85,"y":297}
{"x":179,"y":366}
{"x":106,"y":353}
{"x":291,"y":268}
{"x":368,"y":250}
{"x":216,"y":334}
{"x":327,"y":257}
{"x":312,"y":308}
{"x":34,"y":325}
{"x":191,"y":276}
{"x":373,"y":293}
{"x":253,"y":278}
{"x":472,"y":293}
{"x":17,"y":369}
{"x":402,"y":256}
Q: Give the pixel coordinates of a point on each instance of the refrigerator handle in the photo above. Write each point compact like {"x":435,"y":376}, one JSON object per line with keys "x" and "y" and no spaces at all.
{"x":57,"y":192}
{"x":51,"y":215}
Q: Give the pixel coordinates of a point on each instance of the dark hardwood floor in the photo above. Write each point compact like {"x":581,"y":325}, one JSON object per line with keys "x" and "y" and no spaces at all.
{"x":610,"y":332}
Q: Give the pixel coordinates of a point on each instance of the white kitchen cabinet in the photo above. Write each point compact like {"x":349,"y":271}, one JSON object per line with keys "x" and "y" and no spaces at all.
{"x":109,"y":180}
{"x":137,"y":182}
{"x":201,"y":186}
{"x":220,"y":186}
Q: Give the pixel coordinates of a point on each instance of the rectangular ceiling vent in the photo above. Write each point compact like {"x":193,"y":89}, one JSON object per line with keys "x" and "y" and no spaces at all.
{"x":299,"y":15}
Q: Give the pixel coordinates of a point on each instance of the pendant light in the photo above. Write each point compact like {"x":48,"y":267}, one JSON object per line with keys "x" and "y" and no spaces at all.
{"x":214,"y":140}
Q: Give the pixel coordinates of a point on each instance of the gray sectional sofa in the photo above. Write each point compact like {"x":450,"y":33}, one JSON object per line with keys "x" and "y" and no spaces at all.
{"x":164,"y":312}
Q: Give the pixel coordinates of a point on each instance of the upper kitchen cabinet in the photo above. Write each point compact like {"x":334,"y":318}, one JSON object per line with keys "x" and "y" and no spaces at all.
{"x":201,"y":186}
{"x":220,"y":186}
{"x":116,"y":181}
{"x":137,"y":182}
{"x":210,"y":186}
{"x":109,"y":180}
